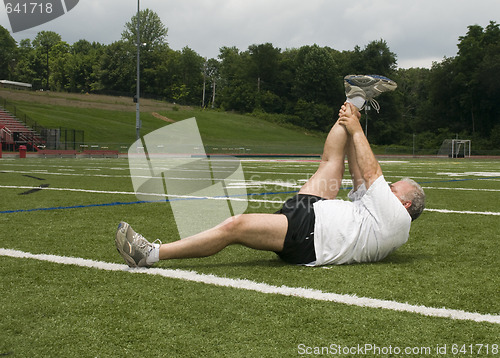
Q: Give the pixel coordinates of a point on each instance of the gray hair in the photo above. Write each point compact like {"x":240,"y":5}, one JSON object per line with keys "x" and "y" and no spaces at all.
{"x":417,"y":198}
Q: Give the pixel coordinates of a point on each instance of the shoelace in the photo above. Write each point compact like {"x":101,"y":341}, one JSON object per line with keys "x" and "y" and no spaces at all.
{"x":143,"y":243}
{"x":157,"y":241}
{"x":375,"y":105}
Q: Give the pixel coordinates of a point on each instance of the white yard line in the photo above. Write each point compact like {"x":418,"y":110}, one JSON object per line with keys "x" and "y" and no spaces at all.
{"x":64,"y":173}
{"x":300,"y":292}
{"x":243,"y":198}
{"x":445,"y":211}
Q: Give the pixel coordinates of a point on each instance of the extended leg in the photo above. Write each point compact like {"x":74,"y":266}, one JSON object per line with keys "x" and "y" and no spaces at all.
{"x":257,"y":231}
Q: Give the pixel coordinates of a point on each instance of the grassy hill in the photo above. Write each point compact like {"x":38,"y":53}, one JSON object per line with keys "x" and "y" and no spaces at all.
{"x":110,"y":121}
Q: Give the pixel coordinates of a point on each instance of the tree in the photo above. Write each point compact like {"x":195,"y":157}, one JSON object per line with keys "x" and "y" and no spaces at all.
{"x":118,"y":67}
{"x":237,"y":90}
{"x":192,"y":74}
{"x":82,"y":66}
{"x":317,"y":78}
{"x":475,"y":78}
{"x":212,"y":72}
{"x":46,"y":38}
{"x":378,"y":58}
{"x":264,"y":64}
{"x":25,"y":70}
{"x":152,"y":31}
{"x":43,"y":43}
{"x":413,"y":88}
{"x":153,"y":34}
{"x":8,"y":49}
{"x":59,"y":54}
{"x":158,"y":71}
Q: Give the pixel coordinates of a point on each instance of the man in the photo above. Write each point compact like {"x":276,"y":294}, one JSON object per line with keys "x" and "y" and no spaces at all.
{"x":312,"y":228}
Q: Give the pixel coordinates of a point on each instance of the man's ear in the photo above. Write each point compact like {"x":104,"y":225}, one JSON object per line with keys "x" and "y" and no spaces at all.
{"x":407,"y":204}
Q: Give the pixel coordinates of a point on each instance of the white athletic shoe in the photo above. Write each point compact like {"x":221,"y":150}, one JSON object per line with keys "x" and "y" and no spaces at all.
{"x":133,"y":247}
{"x":368,"y":87}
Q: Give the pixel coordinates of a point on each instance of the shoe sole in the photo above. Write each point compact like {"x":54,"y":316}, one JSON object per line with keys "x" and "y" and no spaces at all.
{"x":130,"y":262}
{"x":370,"y":80}
{"x":118,"y":242}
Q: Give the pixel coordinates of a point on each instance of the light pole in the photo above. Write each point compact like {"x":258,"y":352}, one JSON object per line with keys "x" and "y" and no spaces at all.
{"x":137,"y":107}
{"x":48,"y":71}
{"x":367,"y":108}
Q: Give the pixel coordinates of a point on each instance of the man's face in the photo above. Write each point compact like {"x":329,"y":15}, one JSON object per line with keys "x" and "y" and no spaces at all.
{"x":400,"y":188}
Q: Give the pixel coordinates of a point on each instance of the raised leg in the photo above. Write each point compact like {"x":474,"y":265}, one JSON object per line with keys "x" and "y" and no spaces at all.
{"x":357,"y":179}
{"x":327,"y":180}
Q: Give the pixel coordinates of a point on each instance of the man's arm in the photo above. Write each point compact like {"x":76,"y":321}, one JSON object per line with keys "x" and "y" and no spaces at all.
{"x":368,"y":165}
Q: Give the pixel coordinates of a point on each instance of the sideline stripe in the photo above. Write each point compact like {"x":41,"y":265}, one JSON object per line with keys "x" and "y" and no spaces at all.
{"x":246,"y":197}
{"x":262,"y":287}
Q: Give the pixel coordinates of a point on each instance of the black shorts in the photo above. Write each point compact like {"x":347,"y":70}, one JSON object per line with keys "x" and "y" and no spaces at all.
{"x":299,"y":240}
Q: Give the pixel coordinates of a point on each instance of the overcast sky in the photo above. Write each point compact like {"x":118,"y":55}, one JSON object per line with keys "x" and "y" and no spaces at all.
{"x":417,"y":31}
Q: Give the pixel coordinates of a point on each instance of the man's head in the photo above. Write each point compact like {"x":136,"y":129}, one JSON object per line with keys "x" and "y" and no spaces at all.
{"x":411,"y":195}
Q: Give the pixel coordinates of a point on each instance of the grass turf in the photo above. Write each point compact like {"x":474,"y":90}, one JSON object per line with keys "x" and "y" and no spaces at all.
{"x":451,"y":260}
{"x":113,"y":125}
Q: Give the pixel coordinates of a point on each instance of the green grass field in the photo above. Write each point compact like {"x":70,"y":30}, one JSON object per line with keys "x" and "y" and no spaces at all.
{"x":51,"y":309}
{"x":219,"y":129}
{"x":110,"y":121}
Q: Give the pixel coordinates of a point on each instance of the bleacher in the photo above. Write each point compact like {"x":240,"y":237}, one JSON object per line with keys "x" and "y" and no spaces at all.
{"x":14,"y":132}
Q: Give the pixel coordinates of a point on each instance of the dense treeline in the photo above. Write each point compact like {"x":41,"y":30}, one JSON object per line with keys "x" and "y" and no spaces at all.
{"x":456,"y":97}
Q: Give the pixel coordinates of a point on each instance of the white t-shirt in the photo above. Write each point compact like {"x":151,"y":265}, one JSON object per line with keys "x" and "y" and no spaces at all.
{"x":366,"y":229}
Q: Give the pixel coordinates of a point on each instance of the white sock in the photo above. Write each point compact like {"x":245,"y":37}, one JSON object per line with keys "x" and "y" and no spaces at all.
{"x":154,"y":255}
{"x":357,"y":101}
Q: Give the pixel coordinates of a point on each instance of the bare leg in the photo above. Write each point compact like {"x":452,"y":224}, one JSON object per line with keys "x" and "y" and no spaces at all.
{"x":327,"y":180}
{"x":357,"y":179}
{"x":257,"y":231}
